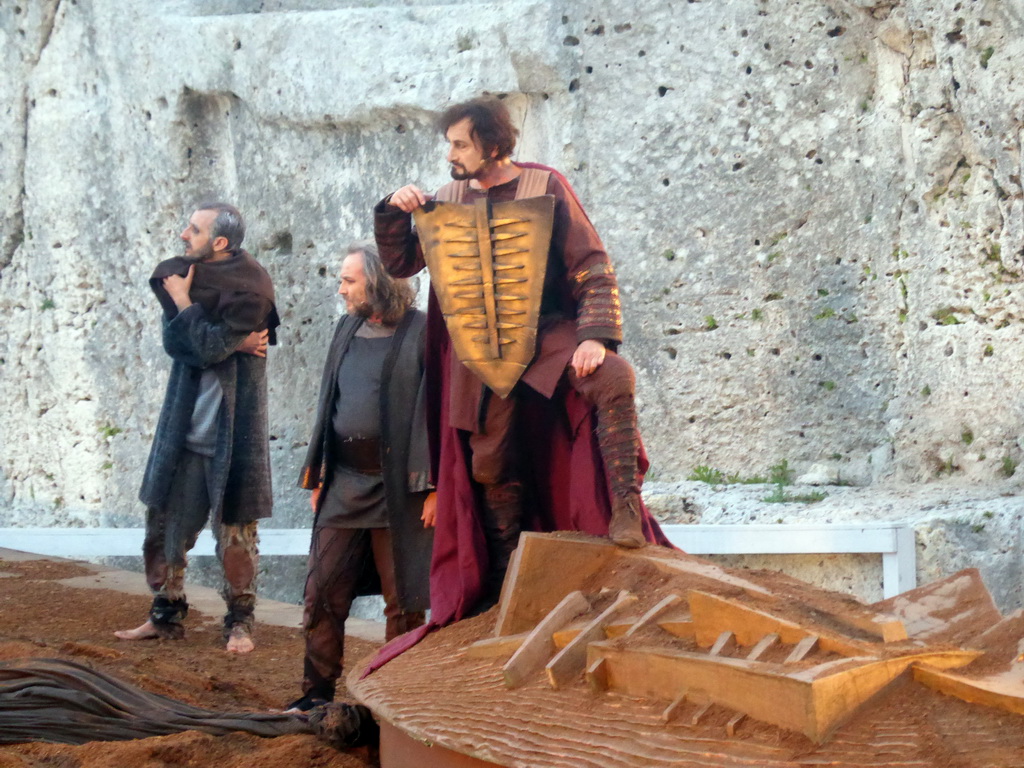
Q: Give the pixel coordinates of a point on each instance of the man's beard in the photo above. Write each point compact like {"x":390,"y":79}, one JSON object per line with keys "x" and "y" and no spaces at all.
{"x":201,"y":255}
{"x":361,"y":309}
{"x":459,"y":172}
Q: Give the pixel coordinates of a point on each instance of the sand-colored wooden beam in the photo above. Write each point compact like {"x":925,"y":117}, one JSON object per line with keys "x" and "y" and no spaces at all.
{"x":713,"y":615}
{"x":1004,"y":694}
{"x":838,"y":696}
{"x":597,"y":676}
{"x":812,"y":701}
{"x":886,"y":627}
{"x":928,"y":612}
{"x":734,"y":723}
{"x":570,"y":661}
{"x":544,"y":568}
{"x":678,"y":621}
{"x":763,"y":645}
{"x":802,"y":649}
{"x":725,"y":645}
{"x":538,"y":646}
{"x":699,"y":714}
{"x":615,"y":629}
{"x":495,"y":647}
{"x":669,"y":601}
{"x":672,"y":711}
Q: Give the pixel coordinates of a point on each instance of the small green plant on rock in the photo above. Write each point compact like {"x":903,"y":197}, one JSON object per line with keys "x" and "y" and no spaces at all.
{"x":705,"y":474}
{"x":1009,"y":466}
{"x":780,"y":473}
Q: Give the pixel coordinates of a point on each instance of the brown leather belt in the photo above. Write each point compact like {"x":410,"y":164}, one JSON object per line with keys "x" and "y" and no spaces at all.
{"x":359,"y":453}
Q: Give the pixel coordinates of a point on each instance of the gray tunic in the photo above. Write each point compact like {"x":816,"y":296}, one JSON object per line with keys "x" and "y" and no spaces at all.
{"x":356,"y":499}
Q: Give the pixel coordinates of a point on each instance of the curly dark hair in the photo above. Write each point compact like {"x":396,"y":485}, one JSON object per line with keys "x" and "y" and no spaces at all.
{"x":491,"y":122}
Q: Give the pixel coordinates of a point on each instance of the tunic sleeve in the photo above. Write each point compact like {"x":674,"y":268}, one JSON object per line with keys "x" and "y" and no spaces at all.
{"x":397,"y":242}
{"x":588,"y":270}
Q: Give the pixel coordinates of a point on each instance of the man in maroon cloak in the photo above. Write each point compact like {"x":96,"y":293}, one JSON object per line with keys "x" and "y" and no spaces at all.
{"x":562,"y":451}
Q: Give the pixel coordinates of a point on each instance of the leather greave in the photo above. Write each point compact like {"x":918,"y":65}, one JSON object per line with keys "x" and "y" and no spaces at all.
{"x":619,"y":441}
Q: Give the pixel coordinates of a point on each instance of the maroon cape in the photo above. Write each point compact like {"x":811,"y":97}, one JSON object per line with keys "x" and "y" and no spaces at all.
{"x":563,"y":473}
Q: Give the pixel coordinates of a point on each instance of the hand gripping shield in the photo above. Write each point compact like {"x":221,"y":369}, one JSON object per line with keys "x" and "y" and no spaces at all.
{"x":487,"y":263}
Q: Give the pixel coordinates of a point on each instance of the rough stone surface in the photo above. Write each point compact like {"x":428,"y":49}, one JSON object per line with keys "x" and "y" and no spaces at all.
{"x":815,"y":207}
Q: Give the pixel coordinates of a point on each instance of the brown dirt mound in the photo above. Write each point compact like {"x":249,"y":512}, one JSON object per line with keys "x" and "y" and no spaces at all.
{"x":44,"y":619}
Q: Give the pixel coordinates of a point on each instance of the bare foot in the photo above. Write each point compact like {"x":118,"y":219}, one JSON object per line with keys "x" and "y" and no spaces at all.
{"x":146,"y":632}
{"x":239,"y":641}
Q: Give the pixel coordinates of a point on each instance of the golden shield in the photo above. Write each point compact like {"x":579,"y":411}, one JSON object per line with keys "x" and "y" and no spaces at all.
{"x":487,"y":263}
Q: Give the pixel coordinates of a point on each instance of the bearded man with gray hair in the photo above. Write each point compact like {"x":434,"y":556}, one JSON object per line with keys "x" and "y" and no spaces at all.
{"x":368,"y":467}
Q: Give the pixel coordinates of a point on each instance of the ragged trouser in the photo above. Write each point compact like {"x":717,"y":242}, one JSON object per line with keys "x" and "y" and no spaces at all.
{"x":338,"y":558}
{"x":172,"y":530}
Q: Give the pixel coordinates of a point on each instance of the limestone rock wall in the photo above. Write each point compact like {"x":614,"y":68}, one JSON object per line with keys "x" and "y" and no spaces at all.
{"x":815,"y":207}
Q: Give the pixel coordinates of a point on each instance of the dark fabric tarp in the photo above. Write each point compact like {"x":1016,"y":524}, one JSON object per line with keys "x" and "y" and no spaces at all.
{"x":65,"y":702}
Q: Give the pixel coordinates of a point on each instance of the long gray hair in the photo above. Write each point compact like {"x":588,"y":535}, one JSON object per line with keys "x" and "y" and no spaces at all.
{"x":387,"y":296}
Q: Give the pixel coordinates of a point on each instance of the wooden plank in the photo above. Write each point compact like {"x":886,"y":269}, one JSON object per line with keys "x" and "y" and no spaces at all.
{"x":836,"y":697}
{"x":672,"y":711}
{"x":567,"y":634}
{"x":569,"y":661}
{"x":745,"y":686}
{"x":885,"y":627}
{"x":733,"y":724}
{"x":699,"y":714}
{"x":801,"y":649}
{"x":678,"y":623}
{"x":812,"y":701}
{"x":615,"y":629}
{"x":713,"y":615}
{"x":1003,"y":694}
{"x":495,"y":647}
{"x":725,"y":645}
{"x":533,"y":586}
{"x":538,"y":646}
{"x":669,"y":601}
{"x":765,"y":643}
{"x":949,"y":610}
{"x":597,"y":676}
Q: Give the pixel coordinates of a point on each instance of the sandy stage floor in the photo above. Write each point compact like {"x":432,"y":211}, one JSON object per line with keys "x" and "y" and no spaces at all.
{"x":42,"y":617}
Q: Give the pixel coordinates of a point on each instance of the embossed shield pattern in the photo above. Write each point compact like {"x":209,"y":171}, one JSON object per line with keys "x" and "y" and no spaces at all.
{"x":487,"y":263}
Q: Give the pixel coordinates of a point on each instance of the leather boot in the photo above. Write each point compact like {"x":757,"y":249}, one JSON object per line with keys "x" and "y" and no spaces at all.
{"x":501,"y":517}
{"x":619,"y":441}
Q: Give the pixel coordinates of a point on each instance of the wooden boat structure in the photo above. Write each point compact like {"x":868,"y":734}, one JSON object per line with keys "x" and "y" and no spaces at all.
{"x":599,"y":656}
